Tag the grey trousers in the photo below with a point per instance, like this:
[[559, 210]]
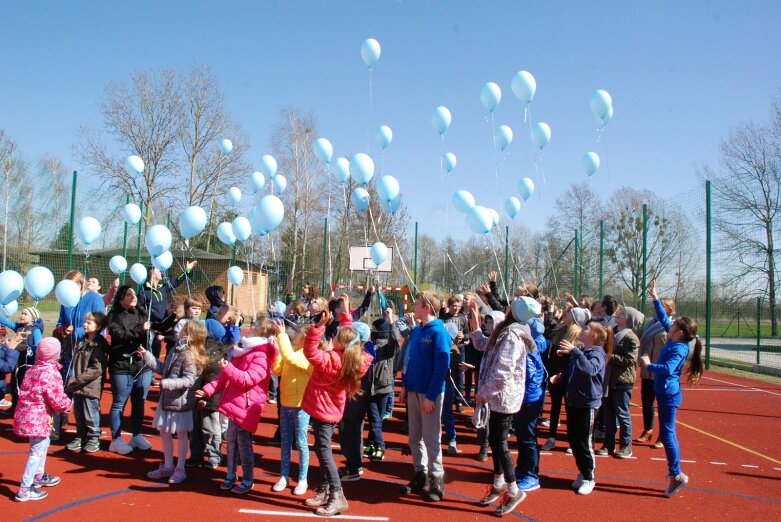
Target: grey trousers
[[425, 431]]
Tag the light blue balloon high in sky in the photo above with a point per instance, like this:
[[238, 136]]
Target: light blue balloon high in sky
[[360, 198], [479, 219], [226, 147], [269, 213], [225, 233], [279, 183], [504, 136], [362, 168], [392, 206], [590, 163], [192, 221], [342, 170], [234, 196], [268, 165], [370, 52], [257, 180], [131, 213], [323, 150], [541, 135], [463, 200], [134, 165], [449, 162], [490, 96], [512, 206], [524, 86], [601, 104], [526, 188], [241, 228], [384, 136], [388, 188], [441, 119]]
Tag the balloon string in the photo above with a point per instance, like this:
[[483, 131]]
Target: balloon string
[[442, 156], [251, 286], [374, 226], [498, 266], [369, 122], [607, 160]]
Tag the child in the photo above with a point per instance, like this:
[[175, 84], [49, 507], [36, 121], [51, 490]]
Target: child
[[336, 375], [85, 383], [182, 367], [30, 326], [40, 396], [9, 356], [294, 371], [585, 374], [244, 385], [215, 294], [667, 374], [192, 310]]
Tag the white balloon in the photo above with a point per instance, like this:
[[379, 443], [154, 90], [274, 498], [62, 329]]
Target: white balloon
[[370, 52], [134, 164], [268, 165], [257, 180], [132, 214]]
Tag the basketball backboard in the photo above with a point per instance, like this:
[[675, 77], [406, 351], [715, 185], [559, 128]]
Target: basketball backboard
[[361, 260]]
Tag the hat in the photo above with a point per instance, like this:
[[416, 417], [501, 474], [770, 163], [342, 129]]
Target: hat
[[634, 317], [214, 329], [381, 328], [364, 332], [525, 308], [496, 316], [252, 342], [581, 316], [48, 350], [33, 312]]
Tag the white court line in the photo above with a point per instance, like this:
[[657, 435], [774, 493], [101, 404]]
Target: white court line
[[689, 461], [777, 469], [719, 463], [308, 515], [750, 466], [659, 458], [747, 390], [740, 386]]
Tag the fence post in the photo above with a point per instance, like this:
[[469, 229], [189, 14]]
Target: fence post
[[506, 258], [70, 229], [124, 240], [644, 289], [759, 326], [708, 261], [140, 224], [233, 261], [325, 238], [575, 277], [601, 255], [415, 261]]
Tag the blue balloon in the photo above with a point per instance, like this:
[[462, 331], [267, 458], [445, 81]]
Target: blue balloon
[[512, 206], [8, 310], [192, 221], [391, 206], [370, 52], [225, 233], [138, 273], [590, 163], [449, 162], [323, 150], [388, 188], [362, 168], [441, 119], [226, 146], [379, 253], [524, 86], [11, 286], [158, 237], [279, 183], [490, 95], [280, 307], [384, 136], [39, 282], [134, 164], [360, 198], [132, 214], [601, 104], [526, 188], [541, 135], [241, 228], [479, 219], [257, 180], [235, 275], [504, 136], [117, 264], [269, 213], [463, 200], [268, 166], [342, 170], [164, 261], [88, 230], [234, 196]]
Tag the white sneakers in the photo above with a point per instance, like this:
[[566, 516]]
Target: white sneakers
[[280, 485], [140, 443], [301, 488], [586, 487], [119, 446], [549, 444]]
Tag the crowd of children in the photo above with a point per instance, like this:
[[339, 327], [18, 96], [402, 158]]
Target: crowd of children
[[499, 355]]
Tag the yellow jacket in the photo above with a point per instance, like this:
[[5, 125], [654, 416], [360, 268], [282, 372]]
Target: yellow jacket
[[294, 369]]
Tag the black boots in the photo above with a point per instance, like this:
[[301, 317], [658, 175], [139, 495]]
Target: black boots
[[436, 491], [418, 484]]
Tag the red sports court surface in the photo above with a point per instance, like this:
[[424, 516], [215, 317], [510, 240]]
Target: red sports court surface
[[728, 432]]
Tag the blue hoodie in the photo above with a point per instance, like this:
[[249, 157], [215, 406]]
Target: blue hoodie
[[428, 358], [585, 374], [89, 302], [669, 365]]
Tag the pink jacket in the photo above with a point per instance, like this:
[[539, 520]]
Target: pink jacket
[[40, 396], [244, 385], [324, 397]]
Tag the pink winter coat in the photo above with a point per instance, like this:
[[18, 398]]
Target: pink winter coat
[[324, 397], [244, 385], [40, 396]]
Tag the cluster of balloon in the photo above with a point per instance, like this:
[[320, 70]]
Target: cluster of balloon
[[379, 253], [323, 150], [490, 96], [235, 275], [384, 136], [234, 196], [131, 213], [526, 188], [88, 230], [267, 215], [192, 221], [226, 146], [541, 135], [117, 264], [504, 136], [590, 163], [39, 282], [449, 162], [342, 170], [479, 218], [512, 206], [370, 52], [441, 119], [601, 104], [138, 273], [463, 200], [268, 167]]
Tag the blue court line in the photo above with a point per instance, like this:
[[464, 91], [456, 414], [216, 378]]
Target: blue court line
[[87, 500]]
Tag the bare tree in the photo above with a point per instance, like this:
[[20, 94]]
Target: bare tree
[[8, 160]]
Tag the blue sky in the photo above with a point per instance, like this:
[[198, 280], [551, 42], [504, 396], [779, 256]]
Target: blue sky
[[681, 74]]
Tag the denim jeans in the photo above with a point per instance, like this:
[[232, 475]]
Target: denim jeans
[[616, 406], [36, 460], [87, 413], [293, 424], [668, 410], [324, 432], [498, 427], [240, 445], [377, 406], [526, 434], [448, 420], [124, 387]]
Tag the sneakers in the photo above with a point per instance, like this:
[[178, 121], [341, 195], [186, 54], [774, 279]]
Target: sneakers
[[624, 453], [577, 482], [676, 483], [452, 448], [242, 488], [603, 452], [378, 455], [569, 451], [321, 497], [120, 446], [529, 483], [32, 493], [272, 401], [436, 490], [301, 488], [658, 444], [586, 487], [161, 473], [92, 445], [4, 403], [459, 408], [335, 505], [385, 416], [211, 464], [350, 475], [280, 485], [228, 483], [193, 463], [509, 502], [140, 443], [492, 493], [178, 476], [545, 423], [368, 450], [482, 456], [646, 436], [75, 445], [549, 444], [418, 484], [46, 481]]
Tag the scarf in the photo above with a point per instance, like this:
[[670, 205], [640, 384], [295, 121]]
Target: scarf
[[651, 330]]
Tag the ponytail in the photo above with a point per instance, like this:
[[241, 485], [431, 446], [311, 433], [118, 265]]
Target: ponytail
[[352, 361], [695, 368], [609, 342]]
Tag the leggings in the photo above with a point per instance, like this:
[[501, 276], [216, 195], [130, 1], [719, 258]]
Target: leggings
[[498, 428], [648, 397]]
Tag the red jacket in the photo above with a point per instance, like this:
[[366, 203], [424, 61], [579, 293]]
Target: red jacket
[[324, 397], [244, 386]]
